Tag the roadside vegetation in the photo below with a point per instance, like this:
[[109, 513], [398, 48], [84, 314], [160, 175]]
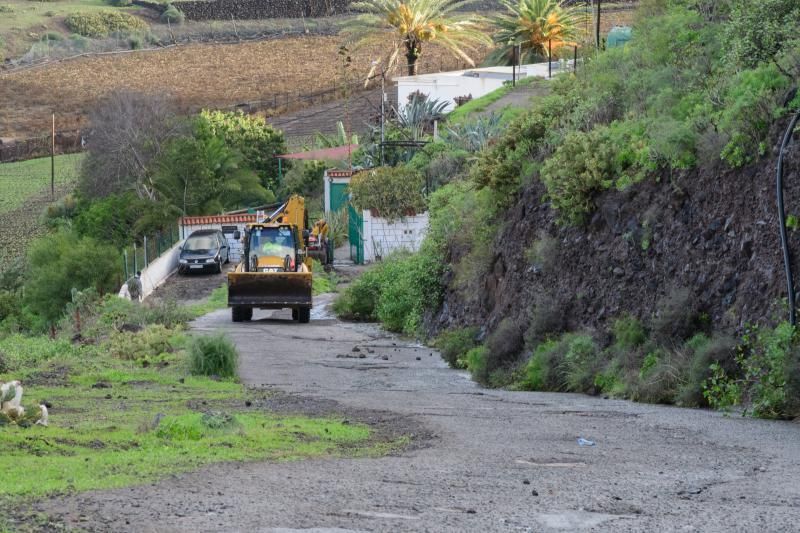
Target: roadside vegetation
[[133, 398], [695, 87]]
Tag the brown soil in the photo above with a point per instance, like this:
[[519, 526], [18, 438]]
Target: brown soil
[[198, 75]]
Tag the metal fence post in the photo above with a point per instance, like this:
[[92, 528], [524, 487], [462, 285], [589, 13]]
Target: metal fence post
[[134, 258], [145, 251], [125, 260]]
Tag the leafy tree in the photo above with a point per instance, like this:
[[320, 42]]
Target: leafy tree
[[535, 25], [257, 142], [202, 175], [392, 191], [63, 261], [116, 219], [414, 22]]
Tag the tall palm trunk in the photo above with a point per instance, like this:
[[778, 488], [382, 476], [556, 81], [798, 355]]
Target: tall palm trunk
[[413, 51]]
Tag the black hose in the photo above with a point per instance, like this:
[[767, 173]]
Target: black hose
[[782, 218]]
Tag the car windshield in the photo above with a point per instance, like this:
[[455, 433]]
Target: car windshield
[[201, 243], [272, 242]]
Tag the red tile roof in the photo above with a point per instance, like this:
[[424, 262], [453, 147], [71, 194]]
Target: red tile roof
[[218, 219]]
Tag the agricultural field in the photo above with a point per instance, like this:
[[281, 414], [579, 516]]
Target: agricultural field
[[25, 193], [200, 75], [214, 75]]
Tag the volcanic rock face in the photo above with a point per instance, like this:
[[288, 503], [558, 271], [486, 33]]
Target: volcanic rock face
[[704, 238]]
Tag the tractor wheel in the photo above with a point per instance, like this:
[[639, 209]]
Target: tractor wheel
[[236, 314], [294, 314], [247, 314], [304, 315]]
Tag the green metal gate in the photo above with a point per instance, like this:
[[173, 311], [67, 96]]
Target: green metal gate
[[355, 234], [340, 196]]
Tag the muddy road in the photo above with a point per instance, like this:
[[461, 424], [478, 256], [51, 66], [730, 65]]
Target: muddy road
[[479, 460]]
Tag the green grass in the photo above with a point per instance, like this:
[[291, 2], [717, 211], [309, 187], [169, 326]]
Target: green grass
[[479, 105], [20, 181], [40, 17], [217, 300], [322, 281], [105, 437]]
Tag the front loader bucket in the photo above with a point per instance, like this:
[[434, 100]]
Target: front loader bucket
[[267, 290]]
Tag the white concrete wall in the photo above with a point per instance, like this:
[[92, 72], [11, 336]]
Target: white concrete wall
[[157, 272], [447, 88], [382, 237]]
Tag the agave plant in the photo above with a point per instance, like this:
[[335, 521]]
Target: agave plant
[[419, 114], [535, 26], [410, 23], [475, 135]]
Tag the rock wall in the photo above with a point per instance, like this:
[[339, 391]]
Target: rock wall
[[712, 232], [260, 9]]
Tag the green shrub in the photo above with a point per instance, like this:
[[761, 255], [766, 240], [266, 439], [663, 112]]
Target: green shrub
[[51, 36], [393, 192], [765, 377], [542, 371], [359, 301], [24, 352], [410, 284], [61, 262], [453, 344], [503, 347], [172, 15], [658, 378], [6, 9], [629, 333], [758, 31], [704, 352], [213, 355], [476, 363], [542, 254], [752, 103], [548, 316], [103, 23], [143, 347], [581, 363]]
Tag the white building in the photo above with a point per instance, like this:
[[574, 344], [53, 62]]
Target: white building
[[475, 82]]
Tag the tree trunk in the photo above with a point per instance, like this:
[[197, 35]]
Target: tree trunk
[[413, 51]]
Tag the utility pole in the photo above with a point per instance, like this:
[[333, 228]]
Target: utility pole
[[383, 110], [549, 58], [53, 160], [597, 26]]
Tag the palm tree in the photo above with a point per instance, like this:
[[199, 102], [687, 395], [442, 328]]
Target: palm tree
[[413, 22], [535, 25]]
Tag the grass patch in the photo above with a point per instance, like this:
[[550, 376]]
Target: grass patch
[[19, 181], [217, 300], [114, 424], [322, 281], [477, 105]]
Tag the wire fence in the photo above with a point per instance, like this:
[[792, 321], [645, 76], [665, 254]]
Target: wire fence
[[141, 253]]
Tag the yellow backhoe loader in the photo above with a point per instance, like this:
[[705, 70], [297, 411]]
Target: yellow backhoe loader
[[275, 270]]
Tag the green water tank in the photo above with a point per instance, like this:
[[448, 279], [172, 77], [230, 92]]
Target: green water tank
[[618, 36]]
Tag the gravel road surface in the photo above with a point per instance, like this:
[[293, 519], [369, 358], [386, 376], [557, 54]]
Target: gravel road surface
[[480, 460]]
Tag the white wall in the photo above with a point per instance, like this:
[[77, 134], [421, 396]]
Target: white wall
[[381, 237], [447, 88], [157, 272]]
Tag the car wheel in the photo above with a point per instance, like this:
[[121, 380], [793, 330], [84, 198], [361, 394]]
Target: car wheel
[[219, 266]]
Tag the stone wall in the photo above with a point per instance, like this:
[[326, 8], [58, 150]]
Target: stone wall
[[260, 9]]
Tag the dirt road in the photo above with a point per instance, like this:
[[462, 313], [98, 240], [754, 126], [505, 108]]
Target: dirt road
[[481, 460]]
